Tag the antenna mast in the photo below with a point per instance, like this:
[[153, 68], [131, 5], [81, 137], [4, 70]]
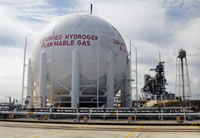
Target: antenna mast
[[91, 8]]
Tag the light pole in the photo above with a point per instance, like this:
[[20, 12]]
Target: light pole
[[136, 75], [24, 64]]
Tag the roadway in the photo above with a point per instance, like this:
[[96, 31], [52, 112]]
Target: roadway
[[48, 130]]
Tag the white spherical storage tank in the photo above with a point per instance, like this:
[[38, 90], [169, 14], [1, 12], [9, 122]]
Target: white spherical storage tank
[[79, 60]]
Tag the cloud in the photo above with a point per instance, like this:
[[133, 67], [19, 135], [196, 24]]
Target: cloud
[[11, 71], [137, 19], [39, 10], [24, 17], [182, 10], [13, 31]]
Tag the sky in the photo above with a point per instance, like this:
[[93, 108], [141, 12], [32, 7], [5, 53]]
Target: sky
[[154, 26]]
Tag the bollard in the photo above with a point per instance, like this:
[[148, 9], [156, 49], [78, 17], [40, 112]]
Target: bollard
[[178, 120], [45, 117], [10, 116], [85, 119], [130, 119]]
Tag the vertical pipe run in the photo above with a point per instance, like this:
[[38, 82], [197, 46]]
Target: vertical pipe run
[[110, 82], [75, 78], [30, 84], [136, 75], [188, 79], [179, 79], [127, 86], [98, 69], [43, 79], [130, 73], [176, 77], [182, 70]]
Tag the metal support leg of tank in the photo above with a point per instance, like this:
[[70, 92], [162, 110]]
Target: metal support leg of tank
[[43, 79], [75, 79], [30, 85], [110, 82]]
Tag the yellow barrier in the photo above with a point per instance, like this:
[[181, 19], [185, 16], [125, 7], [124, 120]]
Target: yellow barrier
[[30, 113], [112, 114]]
